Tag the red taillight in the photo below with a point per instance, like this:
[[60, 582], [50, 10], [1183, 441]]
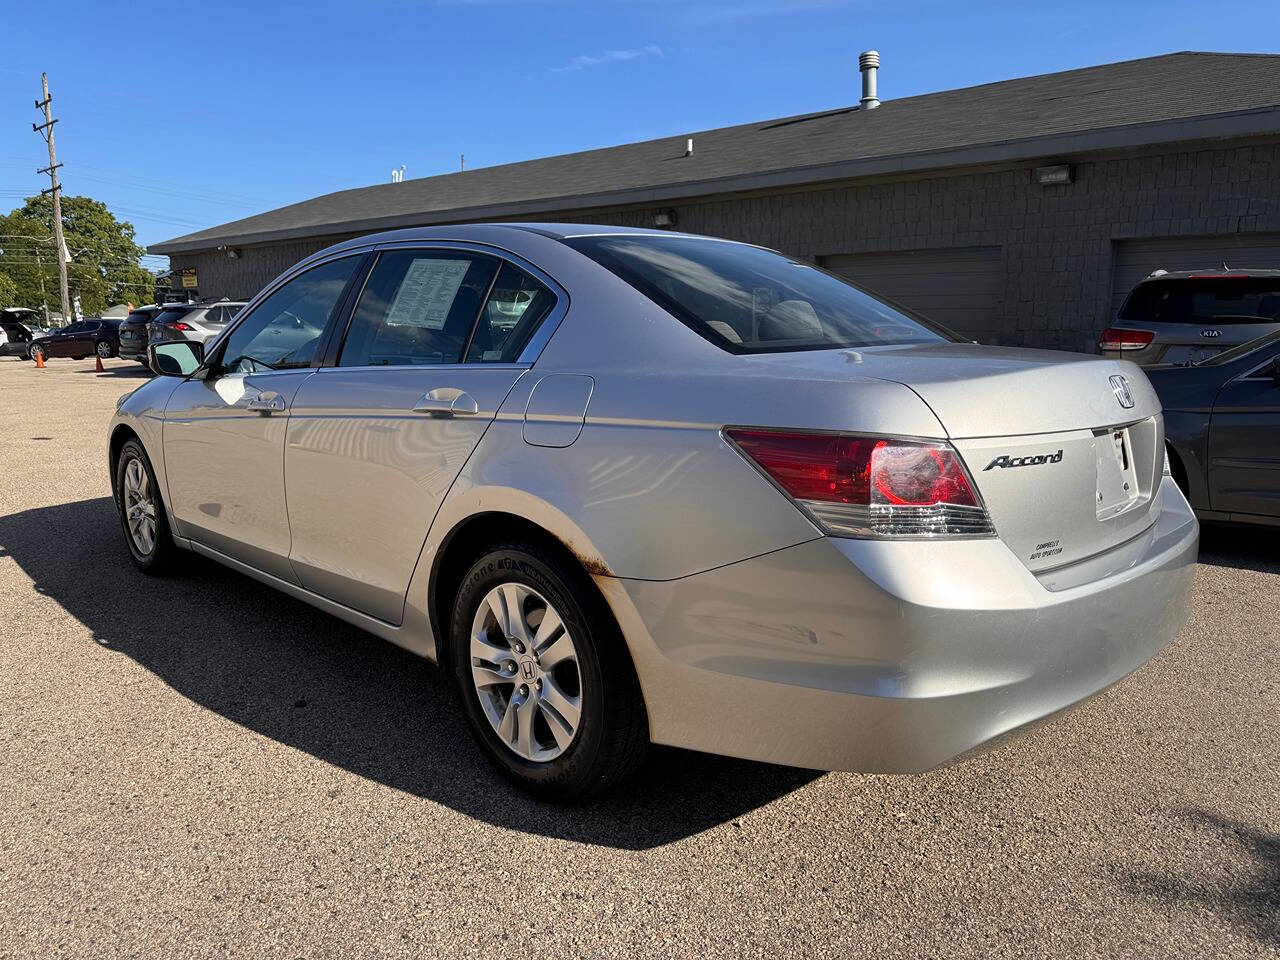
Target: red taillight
[[1118, 338], [179, 325], [870, 486]]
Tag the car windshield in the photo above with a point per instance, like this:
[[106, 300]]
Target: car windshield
[[1199, 300], [746, 299]]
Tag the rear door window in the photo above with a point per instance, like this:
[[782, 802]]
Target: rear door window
[[418, 307], [1201, 300]]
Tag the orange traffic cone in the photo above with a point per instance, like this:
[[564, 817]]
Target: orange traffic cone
[[98, 366], [39, 359]]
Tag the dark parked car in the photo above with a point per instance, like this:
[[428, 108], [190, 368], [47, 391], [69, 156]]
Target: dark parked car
[[80, 339], [17, 326], [1222, 428], [133, 333], [1192, 315]]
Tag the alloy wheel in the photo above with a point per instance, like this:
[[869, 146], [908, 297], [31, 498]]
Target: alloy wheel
[[139, 507], [104, 349], [36, 353], [524, 667]]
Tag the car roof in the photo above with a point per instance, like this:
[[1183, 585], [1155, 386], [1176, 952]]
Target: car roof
[[495, 232], [1211, 273]]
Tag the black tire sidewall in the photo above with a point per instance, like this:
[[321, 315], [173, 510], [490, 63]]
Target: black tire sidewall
[[159, 556], [34, 352], [574, 771]]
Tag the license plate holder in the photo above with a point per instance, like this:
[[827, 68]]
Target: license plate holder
[[1117, 477]]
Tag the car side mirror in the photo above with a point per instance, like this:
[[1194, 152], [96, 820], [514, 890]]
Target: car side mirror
[[177, 358]]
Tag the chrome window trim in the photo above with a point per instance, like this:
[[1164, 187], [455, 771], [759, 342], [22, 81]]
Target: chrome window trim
[[533, 349], [422, 366], [528, 356], [1250, 375]]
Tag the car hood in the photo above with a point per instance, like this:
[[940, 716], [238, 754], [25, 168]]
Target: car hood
[[979, 391]]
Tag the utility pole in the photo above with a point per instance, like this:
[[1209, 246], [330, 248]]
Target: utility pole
[[46, 130]]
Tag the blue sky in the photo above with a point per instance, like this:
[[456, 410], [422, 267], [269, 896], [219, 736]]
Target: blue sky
[[182, 116]]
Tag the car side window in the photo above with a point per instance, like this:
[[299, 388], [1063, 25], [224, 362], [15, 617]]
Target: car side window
[[74, 328], [285, 330], [516, 307], [418, 307]]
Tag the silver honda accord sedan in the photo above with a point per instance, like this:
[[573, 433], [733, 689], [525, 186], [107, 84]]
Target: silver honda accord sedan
[[639, 487]]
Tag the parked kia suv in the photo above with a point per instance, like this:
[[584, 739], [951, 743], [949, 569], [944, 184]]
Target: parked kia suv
[[1189, 316], [134, 332]]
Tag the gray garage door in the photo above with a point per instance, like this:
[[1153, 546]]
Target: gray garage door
[[1134, 259], [960, 287]]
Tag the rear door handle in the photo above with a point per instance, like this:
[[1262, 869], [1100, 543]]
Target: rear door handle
[[267, 403], [447, 402]]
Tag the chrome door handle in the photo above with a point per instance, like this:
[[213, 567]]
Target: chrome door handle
[[447, 402], [267, 403]]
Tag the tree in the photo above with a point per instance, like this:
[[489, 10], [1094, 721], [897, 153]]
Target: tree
[[8, 292], [104, 266]]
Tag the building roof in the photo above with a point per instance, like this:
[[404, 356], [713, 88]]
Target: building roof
[[1170, 98]]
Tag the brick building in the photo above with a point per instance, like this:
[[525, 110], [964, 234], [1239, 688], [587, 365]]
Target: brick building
[[1018, 212]]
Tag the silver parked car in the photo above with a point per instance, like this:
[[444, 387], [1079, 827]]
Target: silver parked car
[[637, 487], [1185, 317], [200, 322]]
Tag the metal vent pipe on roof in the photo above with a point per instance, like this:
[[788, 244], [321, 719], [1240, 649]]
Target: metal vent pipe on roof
[[869, 63]]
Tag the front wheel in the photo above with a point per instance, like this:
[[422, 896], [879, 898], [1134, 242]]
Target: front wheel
[[142, 516], [36, 354], [544, 675]]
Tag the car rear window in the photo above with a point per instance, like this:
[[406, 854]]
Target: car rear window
[[1202, 300], [746, 299], [171, 316]]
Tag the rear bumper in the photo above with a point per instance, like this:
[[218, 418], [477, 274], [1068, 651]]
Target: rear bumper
[[133, 349], [896, 657]]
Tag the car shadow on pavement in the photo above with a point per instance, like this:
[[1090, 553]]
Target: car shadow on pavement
[[1251, 902], [134, 371], [303, 678], [1248, 548]]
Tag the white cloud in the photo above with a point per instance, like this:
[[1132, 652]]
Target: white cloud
[[583, 61]]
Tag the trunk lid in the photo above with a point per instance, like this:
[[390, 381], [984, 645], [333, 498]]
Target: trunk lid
[[1065, 468]]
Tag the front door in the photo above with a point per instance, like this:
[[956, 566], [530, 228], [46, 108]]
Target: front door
[[224, 435], [64, 342], [376, 441], [1244, 445]]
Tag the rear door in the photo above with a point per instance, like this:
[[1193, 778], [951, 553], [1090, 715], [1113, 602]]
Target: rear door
[[1244, 443], [376, 439]]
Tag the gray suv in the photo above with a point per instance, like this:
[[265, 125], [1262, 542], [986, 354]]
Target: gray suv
[[200, 322], [1185, 317]]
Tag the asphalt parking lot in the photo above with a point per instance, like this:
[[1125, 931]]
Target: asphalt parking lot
[[201, 766]]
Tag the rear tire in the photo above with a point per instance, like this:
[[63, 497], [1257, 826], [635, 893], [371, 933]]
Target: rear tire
[[142, 514], [551, 694], [103, 350]]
